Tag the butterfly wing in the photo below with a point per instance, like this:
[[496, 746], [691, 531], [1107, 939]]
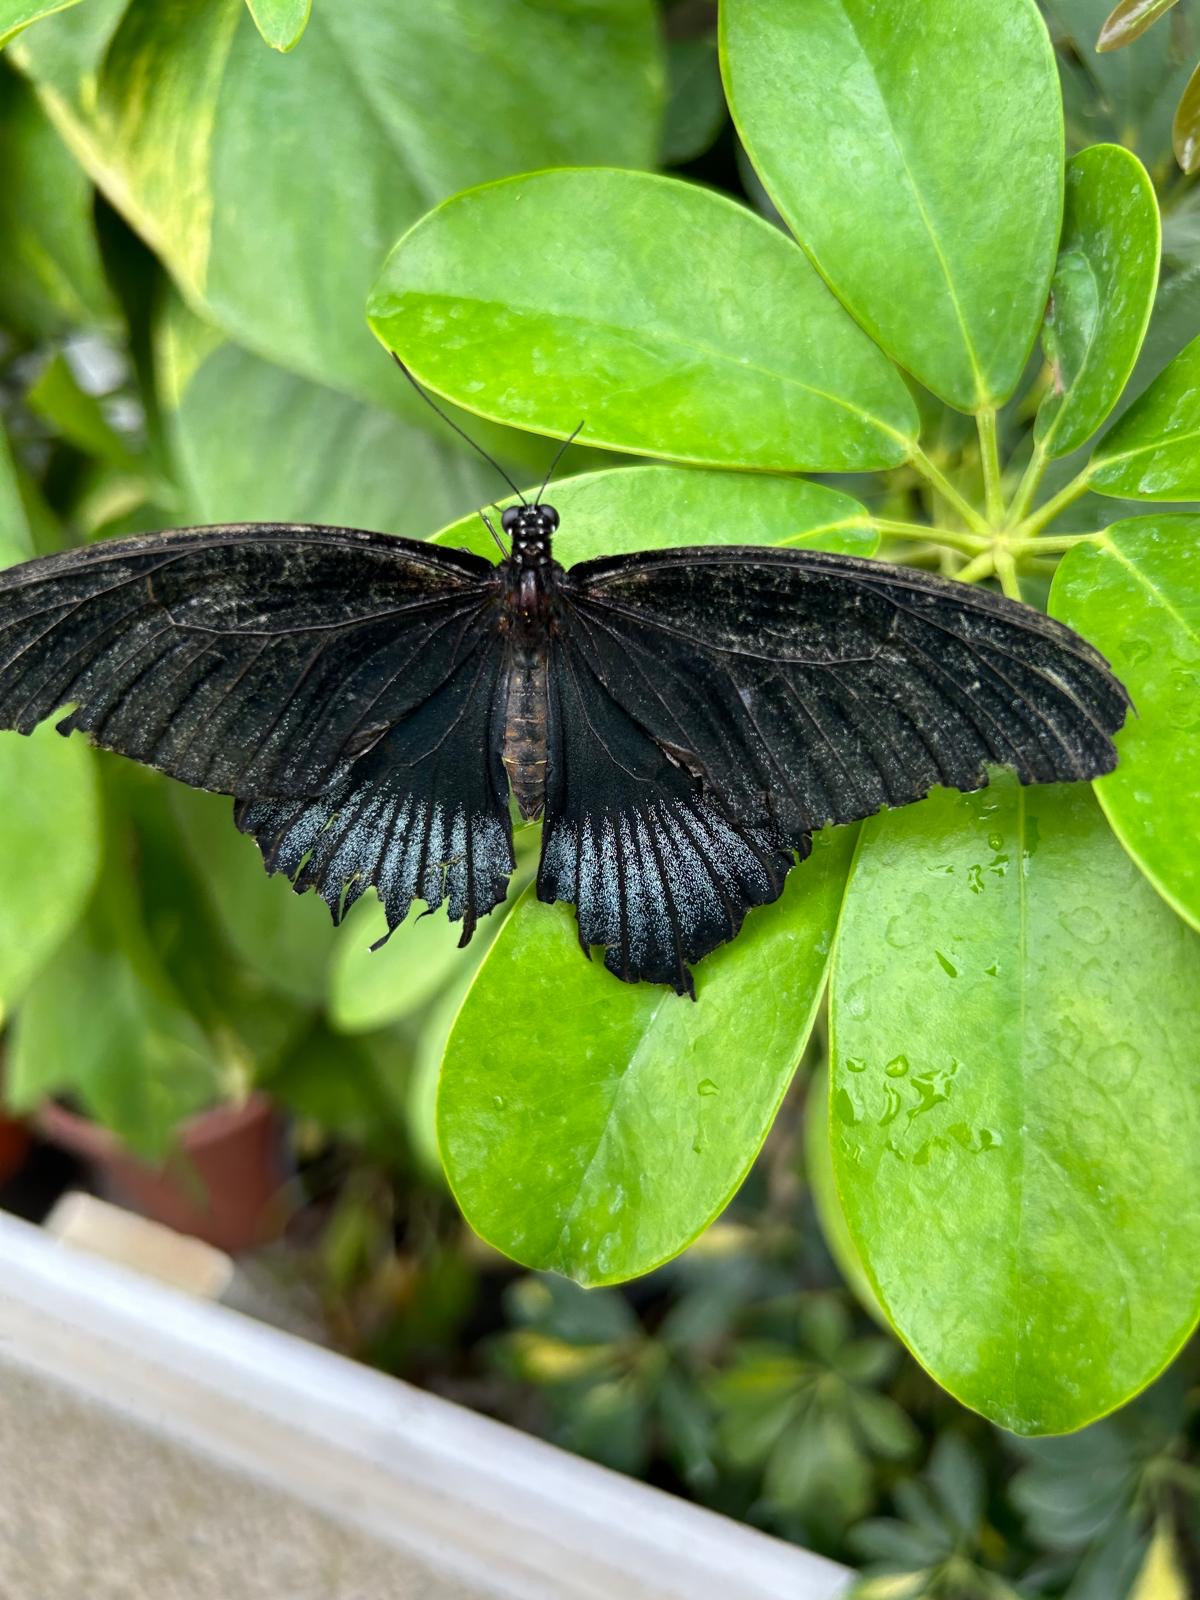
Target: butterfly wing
[[243, 659], [423, 815], [338, 683], [717, 706], [808, 688], [660, 872]]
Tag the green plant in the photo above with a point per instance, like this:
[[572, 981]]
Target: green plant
[[1013, 1066], [1012, 1086]]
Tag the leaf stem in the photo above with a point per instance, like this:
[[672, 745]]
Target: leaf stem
[[969, 543], [937, 478], [989, 452], [1006, 571], [983, 566], [1053, 544], [1030, 482], [1037, 520]]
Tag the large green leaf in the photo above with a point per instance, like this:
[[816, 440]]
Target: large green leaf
[[49, 850], [52, 279], [639, 508], [272, 186], [281, 22], [1136, 594], [915, 148], [1153, 452], [1102, 295], [631, 322], [1015, 1101], [18, 14], [595, 1128], [257, 443], [49, 821]]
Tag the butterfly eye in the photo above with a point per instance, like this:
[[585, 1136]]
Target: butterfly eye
[[510, 518], [549, 517]]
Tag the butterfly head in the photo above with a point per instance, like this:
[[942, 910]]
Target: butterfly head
[[531, 529]]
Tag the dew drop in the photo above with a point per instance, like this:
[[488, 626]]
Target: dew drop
[[946, 965], [897, 1067], [855, 1064], [707, 1087], [845, 1108], [995, 841], [975, 879]]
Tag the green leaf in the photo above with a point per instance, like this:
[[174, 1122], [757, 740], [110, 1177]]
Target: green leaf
[[1185, 130], [78, 416], [176, 110], [1014, 1103], [49, 850], [16, 539], [1129, 20], [1135, 594], [100, 1026], [818, 1169], [53, 279], [641, 508], [257, 443], [18, 14], [916, 153], [595, 1128], [370, 988], [1102, 295], [281, 22], [629, 325], [285, 938], [695, 111], [1153, 452]]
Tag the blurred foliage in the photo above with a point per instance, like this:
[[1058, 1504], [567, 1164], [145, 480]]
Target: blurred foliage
[[147, 377]]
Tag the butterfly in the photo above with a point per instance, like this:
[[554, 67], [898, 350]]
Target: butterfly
[[684, 720]]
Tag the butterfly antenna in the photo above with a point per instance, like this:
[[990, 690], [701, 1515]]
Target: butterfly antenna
[[558, 457], [461, 432], [491, 528]]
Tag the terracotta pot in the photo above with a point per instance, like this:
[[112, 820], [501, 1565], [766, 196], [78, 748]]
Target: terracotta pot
[[14, 1147], [221, 1183]]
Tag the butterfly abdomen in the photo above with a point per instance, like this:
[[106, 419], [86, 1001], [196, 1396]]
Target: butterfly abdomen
[[525, 716]]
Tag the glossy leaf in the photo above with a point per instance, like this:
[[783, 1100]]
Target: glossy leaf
[[176, 111], [53, 279], [915, 150], [1014, 1101], [16, 541], [281, 22], [1185, 130], [257, 443], [628, 323], [16, 15], [1102, 294], [641, 508], [818, 1170], [595, 1128], [1153, 452], [1129, 20], [1135, 594]]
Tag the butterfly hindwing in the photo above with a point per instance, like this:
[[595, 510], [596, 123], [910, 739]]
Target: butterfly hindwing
[[249, 660], [423, 815], [660, 872], [807, 688]]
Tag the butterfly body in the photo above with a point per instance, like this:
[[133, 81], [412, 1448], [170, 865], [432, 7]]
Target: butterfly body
[[684, 719]]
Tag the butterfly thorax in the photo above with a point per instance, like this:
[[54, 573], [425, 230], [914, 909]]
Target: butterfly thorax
[[530, 616]]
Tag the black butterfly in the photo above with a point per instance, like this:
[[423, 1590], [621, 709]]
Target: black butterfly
[[685, 719]]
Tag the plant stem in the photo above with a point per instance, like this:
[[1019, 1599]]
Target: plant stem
[[969, 543], [1006, 571], [1051, 544], [1034, 523], [989, 451], [1030, 482], [983, 566], [935, 476]]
